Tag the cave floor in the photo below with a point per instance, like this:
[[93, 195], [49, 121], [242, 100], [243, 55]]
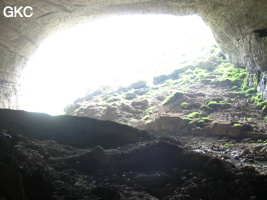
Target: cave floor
[[240, 152], [168, 168]]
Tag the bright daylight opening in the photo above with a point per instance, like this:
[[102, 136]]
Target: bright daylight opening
[[115, 51]]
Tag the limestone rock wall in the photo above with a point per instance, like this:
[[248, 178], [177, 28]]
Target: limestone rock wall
[[239, 26], [11, 65]]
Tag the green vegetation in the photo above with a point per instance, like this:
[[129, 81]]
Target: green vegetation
[[234, 87], [225, 144], [193, 115], [203, 119], [212, 104], [237, 125], [197, 128], [228, 71], [171, 90], [148, 112], [263, 142], [124, 123], [258, 100], [239, 76], [200, 122], [132, 121], [184, 105], [146, 117], [169, 82], [192, 76]]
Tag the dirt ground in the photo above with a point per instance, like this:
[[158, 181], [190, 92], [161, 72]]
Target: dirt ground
[[159, 168]]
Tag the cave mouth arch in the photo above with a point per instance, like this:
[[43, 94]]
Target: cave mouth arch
[[73, 61]]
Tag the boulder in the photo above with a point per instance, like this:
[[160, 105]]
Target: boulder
[[130, 96], [174, 97], [228, 129], [110, 113], [160, 79], [138, 85], [165, 124], [141, 91], [140, 104]]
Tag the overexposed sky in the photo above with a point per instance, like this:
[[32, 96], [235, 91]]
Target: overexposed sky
[[113, 51]]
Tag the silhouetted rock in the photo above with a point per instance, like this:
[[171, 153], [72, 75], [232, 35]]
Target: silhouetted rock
[[70, 130]]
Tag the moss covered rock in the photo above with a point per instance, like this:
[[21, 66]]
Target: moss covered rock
[[175, 96]]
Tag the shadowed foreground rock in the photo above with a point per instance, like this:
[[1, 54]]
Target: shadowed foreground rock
[[76, 131], [46, 166]]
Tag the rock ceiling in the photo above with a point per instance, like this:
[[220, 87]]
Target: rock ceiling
[[239, 26]]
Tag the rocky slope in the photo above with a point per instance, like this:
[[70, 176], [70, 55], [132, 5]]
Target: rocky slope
[[211, 98]]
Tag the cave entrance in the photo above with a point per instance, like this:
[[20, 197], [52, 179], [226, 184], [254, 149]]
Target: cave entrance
[[113, 51]]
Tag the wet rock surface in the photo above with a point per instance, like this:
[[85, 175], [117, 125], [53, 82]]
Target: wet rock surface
[[158, 168]]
